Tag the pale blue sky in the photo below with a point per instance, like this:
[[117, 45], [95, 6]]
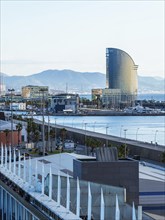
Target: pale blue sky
[[40, 35]]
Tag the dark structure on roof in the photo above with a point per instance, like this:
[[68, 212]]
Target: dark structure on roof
[[109, 170], [106, 154]]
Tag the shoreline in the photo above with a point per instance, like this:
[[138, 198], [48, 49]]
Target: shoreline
[[109, 114], [92, 113]]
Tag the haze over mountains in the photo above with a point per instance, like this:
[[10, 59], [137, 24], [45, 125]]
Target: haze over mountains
[[81, 82]]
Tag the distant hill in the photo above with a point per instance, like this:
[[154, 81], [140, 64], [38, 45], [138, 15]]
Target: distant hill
[[151, 84], [59, 80], [76, 81]]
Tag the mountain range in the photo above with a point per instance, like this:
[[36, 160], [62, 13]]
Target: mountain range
[[72, 81]]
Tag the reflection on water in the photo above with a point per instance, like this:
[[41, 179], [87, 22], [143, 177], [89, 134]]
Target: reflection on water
[[142, 128]]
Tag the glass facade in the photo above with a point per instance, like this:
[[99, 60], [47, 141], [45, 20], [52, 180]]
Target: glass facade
[[111, 98], [121, 73]]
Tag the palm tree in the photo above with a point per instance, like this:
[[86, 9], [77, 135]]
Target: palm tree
[[28, 128], [36, 137], [93, 143], [121, 151], [63, 132], [19, 128], [6, 131], [52, 136], [33, 133]]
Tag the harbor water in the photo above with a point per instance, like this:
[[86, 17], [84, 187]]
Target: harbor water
[[149, 129]]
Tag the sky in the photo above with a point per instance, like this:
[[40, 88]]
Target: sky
[[41, 35]]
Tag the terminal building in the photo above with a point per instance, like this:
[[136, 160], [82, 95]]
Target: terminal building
[[65, 102], [46, 188], [70, 186]]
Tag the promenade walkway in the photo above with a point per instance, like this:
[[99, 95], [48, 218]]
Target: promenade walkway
[[111, 138]]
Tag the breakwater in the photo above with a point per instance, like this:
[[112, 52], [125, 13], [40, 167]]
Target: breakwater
[[144, 150]]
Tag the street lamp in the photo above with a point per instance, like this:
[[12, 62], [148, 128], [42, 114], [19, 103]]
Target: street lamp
[[43, 134], [48, 132], [72, 121], [106, 136], [125, 147], [55, 131], [94, 126], [121, 130], [43, 120], [155, 137], [11, 106], [64, 120], [83, 123], [137, 133], [85, 133]]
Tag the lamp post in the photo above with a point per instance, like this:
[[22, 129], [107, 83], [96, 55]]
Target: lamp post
[[137, 133], [64, 120], [85, 133], [83, 123], [48, 133], [155, 137], [55, 132], [94, 126], [125, 147], [121, 130], [106, 137], [43, 120], [11, 106], [72, 121]]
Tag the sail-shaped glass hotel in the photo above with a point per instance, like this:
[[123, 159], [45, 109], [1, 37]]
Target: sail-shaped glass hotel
[[121, 74]]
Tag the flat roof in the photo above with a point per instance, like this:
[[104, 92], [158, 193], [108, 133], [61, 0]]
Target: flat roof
[[58, 162], [62, 162], [150, 171]]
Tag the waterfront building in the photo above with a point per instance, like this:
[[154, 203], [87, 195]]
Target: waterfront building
[[121, 73], [12, 97], [65, 102], [32, 91], [6, 133], [111, 98], [18, 106]]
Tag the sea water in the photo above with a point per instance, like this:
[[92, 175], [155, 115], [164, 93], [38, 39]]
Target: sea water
[[149, 129]]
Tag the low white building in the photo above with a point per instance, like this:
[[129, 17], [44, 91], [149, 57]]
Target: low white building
[[18, 106]]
